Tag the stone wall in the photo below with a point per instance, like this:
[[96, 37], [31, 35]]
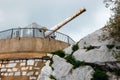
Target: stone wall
[[20, 69]]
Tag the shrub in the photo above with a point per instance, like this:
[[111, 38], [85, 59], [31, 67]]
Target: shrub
[[116, 54], [75, 47], [114, 21], [59, 53], [117, 72], [72, 61], [78, 63], [46, 57], [89, 47], [52, 77], [110, 46], [117, 47], [99, 75], [51, 62]]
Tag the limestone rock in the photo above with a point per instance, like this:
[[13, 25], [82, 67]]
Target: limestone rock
[[101, 54], [81, 73], [68, 50], [94, 56], [45, 72], [112, 76], [61, 67]]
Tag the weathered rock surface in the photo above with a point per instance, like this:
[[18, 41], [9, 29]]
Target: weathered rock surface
[[101, 54], [45, 72], [61, 67], [81, 73]]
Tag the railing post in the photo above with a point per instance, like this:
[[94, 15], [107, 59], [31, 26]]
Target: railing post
[[33, 32], [19, 32], [12, 33], [43, 33], [68, 39]]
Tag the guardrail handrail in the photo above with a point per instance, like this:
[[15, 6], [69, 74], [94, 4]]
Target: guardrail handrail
[[34, 32]]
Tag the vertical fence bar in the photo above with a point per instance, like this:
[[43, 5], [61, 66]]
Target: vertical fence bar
[[19, 32], [68, 39], [33, 32], [12, 33], [43, 33]]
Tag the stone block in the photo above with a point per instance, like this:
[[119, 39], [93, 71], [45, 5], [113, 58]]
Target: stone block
[[11, 74], [24, 73], [3, 69], [30, 62], [22, 64], [11, 65], [30, 73], [14, 69], [17, 73]]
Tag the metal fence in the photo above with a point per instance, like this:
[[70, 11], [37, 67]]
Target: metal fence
[[34, 32]]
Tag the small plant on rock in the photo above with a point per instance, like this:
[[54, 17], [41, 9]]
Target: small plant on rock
[[75, 47], [117, 47], [69, 58], [52, 77], [110, 46], [51, 62], [46, 57], [99, 75], [117, 72], [60, 53], [89, 47], [72, 61]]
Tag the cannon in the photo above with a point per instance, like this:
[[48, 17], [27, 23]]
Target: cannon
[[43, 31], [58, 26]]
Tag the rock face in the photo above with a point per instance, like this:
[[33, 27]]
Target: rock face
[[45, 72], [63, 71], [61, 67], [96, 48]]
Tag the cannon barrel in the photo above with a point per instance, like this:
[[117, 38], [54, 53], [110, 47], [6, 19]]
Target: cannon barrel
[[58, 26]]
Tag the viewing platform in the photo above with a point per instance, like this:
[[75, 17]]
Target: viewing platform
[[30, 43]]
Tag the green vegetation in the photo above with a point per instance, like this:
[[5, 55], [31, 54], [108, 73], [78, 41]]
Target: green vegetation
[[51, 62], [46, 57], [117, 47], [52, 77], [72, 61], [99, 75], [75, 47], [110, 46], [114, 22], [89, 47], [103, 37], [117, 72], [60, 53], [116, 54]]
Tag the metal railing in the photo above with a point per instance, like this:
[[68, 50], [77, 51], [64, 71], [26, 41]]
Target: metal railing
[[34, 32]]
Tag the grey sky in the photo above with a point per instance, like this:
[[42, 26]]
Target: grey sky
[[15, 13]]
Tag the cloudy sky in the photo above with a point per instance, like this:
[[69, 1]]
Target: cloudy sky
[[20, 13]]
